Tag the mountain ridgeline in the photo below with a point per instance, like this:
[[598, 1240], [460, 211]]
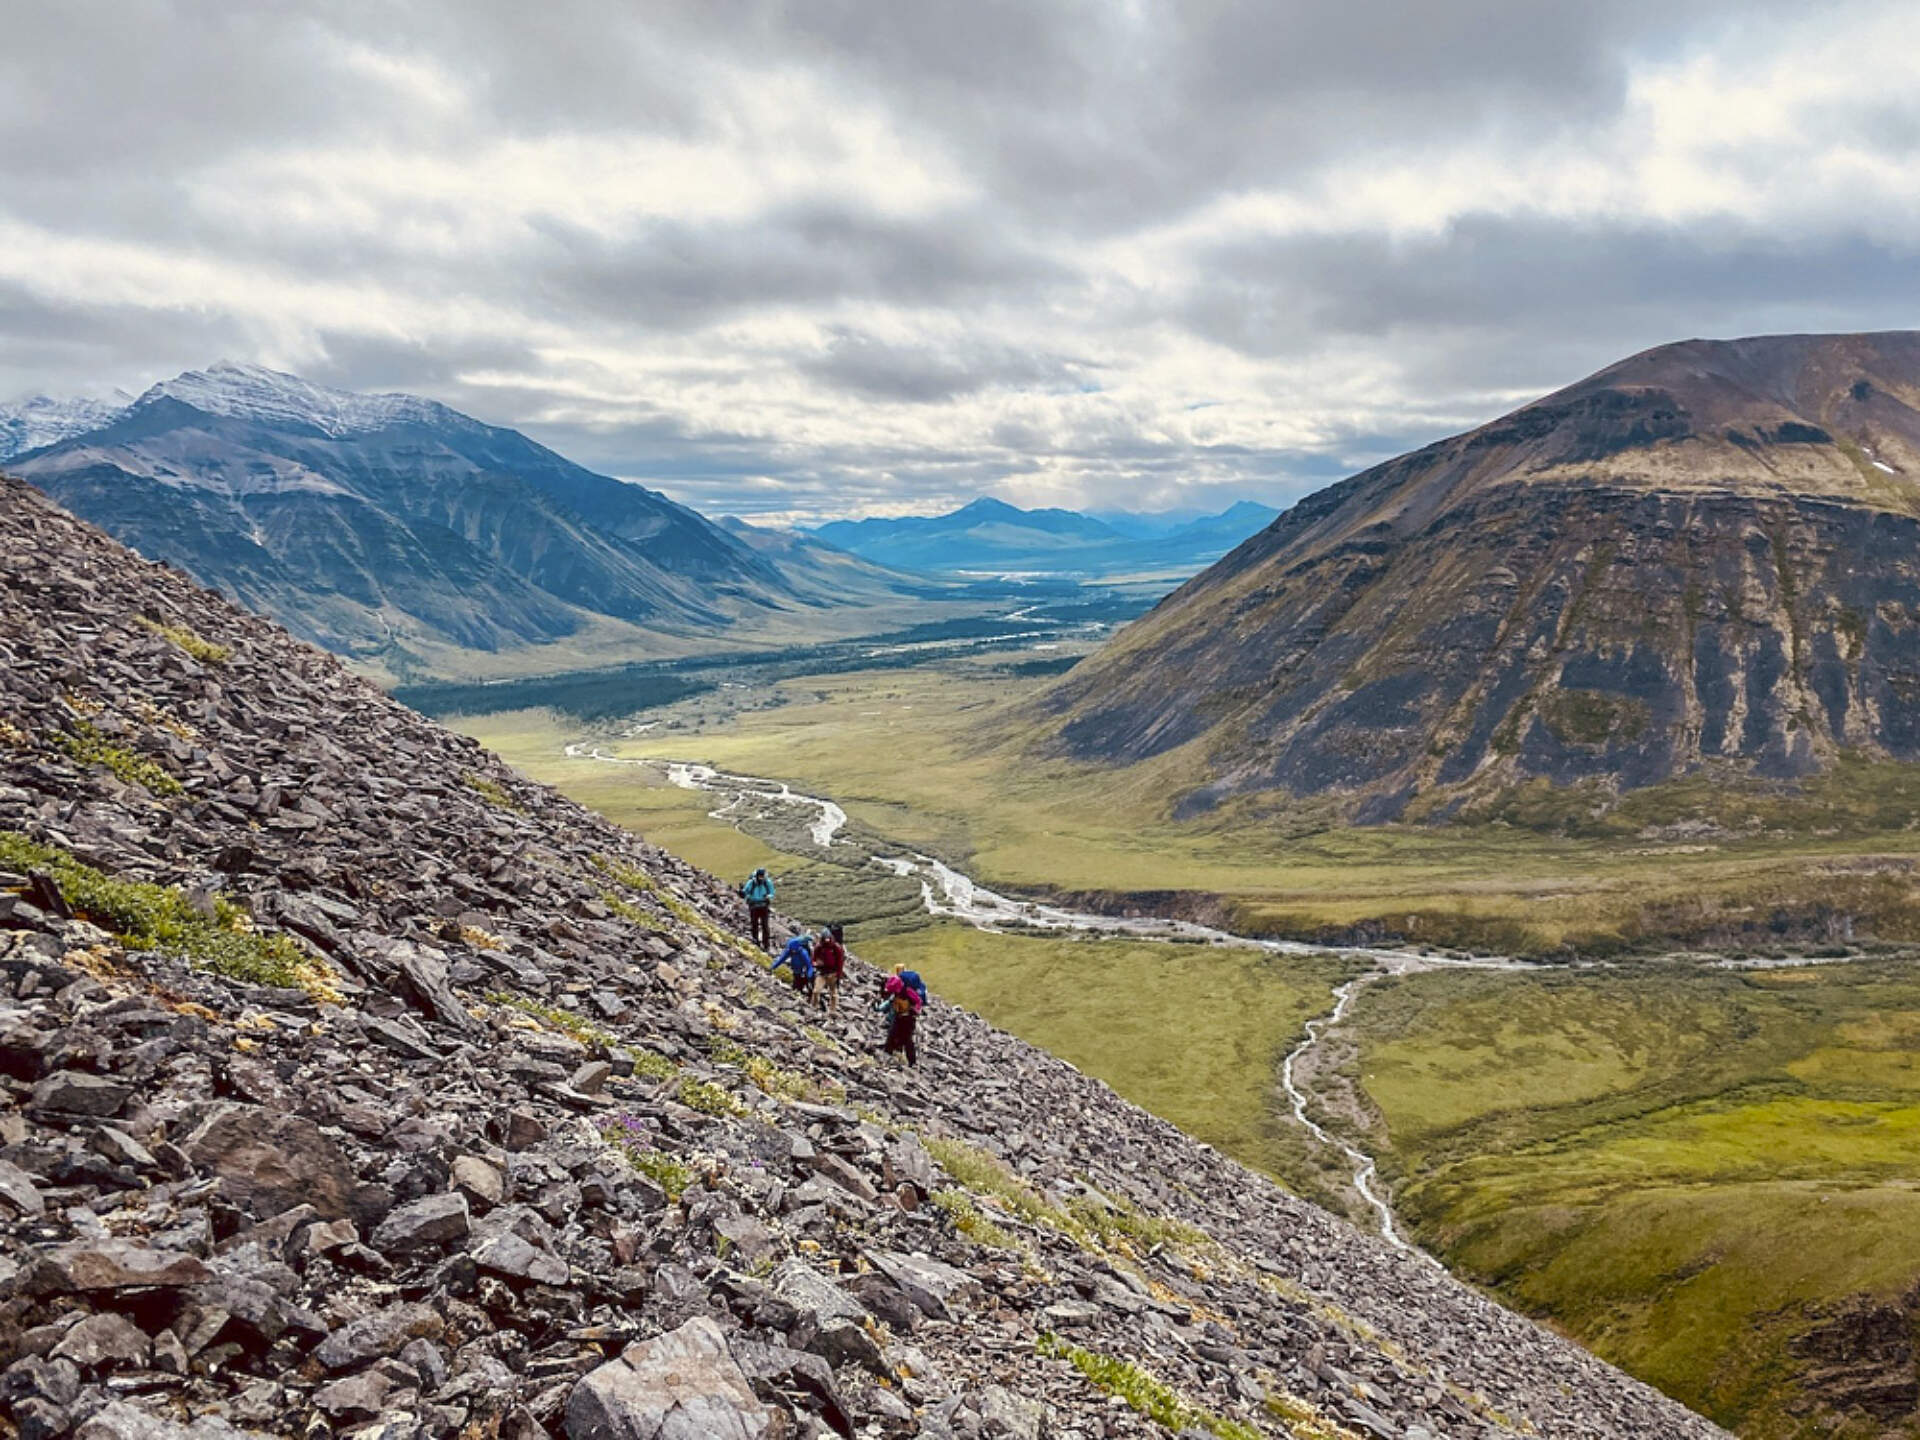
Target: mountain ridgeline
[[1703, 559], [390, 528], [992, 537]]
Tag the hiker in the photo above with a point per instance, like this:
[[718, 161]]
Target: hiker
[[902, 1004], [830, 959], [911, 979], [798, 958], [758, 893]]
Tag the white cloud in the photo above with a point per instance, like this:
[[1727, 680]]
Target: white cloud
[[887, 256]]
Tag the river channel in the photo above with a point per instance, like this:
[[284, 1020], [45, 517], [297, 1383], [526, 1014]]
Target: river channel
[[950, 895]]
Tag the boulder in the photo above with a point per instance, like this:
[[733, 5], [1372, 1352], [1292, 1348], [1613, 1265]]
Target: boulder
[[103, 1341], [385, 1332], [269, 1161], [437, 1220], [74, 1092], [112, 1264], [684, 1385]]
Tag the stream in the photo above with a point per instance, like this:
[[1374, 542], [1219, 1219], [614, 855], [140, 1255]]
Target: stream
[[948, 894]]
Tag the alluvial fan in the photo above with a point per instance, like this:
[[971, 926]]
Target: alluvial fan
[[351, 1083]]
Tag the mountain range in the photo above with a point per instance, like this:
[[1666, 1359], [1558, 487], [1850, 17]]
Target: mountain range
[[1705, 558], [992, 537], [399, 532]]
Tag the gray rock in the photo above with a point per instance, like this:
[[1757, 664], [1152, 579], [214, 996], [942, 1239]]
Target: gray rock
[[1007, 1416], [103, 1341], [19, 1192], [122, 1149], [931, 1284], [907, 1163], [355, 1397], [438, 1220], [112, 1265], [423, 974], [269, 1161], [480, 1181], [508, 1254], [591, 1078], [74, 1092], [844, 1175], [385, 1332], [683, 1385], [812, 1292]]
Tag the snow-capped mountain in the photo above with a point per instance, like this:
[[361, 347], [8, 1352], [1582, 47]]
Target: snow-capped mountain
[[45, 421], [393, 528], [269, 397]]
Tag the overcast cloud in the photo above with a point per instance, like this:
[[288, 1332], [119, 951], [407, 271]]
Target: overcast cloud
[[847, 256]]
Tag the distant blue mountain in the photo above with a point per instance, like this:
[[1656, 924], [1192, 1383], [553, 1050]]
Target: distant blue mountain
[[992, 536]]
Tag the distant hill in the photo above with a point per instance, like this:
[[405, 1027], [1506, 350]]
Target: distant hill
[[995, 537], [391, 528], [1703, 557]]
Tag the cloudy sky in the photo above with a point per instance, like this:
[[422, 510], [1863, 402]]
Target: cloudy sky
[[832, 257]]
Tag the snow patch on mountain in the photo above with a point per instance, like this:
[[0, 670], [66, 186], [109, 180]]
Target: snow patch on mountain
[[43, 420], [269, 397]]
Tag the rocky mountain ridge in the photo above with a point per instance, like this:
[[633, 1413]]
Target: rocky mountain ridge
[[1702, 559], [352, 1084], [44, 420], [402, 533]]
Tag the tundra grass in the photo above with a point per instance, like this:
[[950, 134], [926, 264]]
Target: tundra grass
[[1696, 1173], [534, 742], [1194, 1034], [920, 757]]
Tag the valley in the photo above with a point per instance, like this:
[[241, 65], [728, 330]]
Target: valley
[[1698, 1172]]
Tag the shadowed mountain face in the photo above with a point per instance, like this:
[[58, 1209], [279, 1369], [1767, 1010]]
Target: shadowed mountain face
[[372, 523], [1707, 555]]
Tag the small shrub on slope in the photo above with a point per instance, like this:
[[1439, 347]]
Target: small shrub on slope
[[159, 917]]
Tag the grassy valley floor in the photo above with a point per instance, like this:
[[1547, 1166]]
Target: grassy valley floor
[[1710, 1177]]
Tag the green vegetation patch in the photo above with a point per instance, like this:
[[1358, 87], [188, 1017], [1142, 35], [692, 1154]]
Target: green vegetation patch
[[160, 917], [205, 651], [1694, 1172], [493, 792], [1594, 717], [627, 1137], [85, 745], [554, 1017], [1148, 1396], [983, 1174], [676, 905], [708, 1098], [958, 1206]]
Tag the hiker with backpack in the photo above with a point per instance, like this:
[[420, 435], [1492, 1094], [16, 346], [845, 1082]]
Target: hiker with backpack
[[902, 1004], [758, 893], [911, 979], [830, 960], [798, 958]]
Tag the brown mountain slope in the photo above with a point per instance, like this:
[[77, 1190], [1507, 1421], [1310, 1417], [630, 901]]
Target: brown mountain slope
[[1703, 555]]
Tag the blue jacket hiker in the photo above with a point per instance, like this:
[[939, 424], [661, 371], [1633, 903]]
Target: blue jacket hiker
[[798, 958], [758, 893]]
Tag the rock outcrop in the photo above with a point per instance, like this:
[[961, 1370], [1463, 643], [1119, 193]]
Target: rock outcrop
[[352, 1084], [1700, 559]]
